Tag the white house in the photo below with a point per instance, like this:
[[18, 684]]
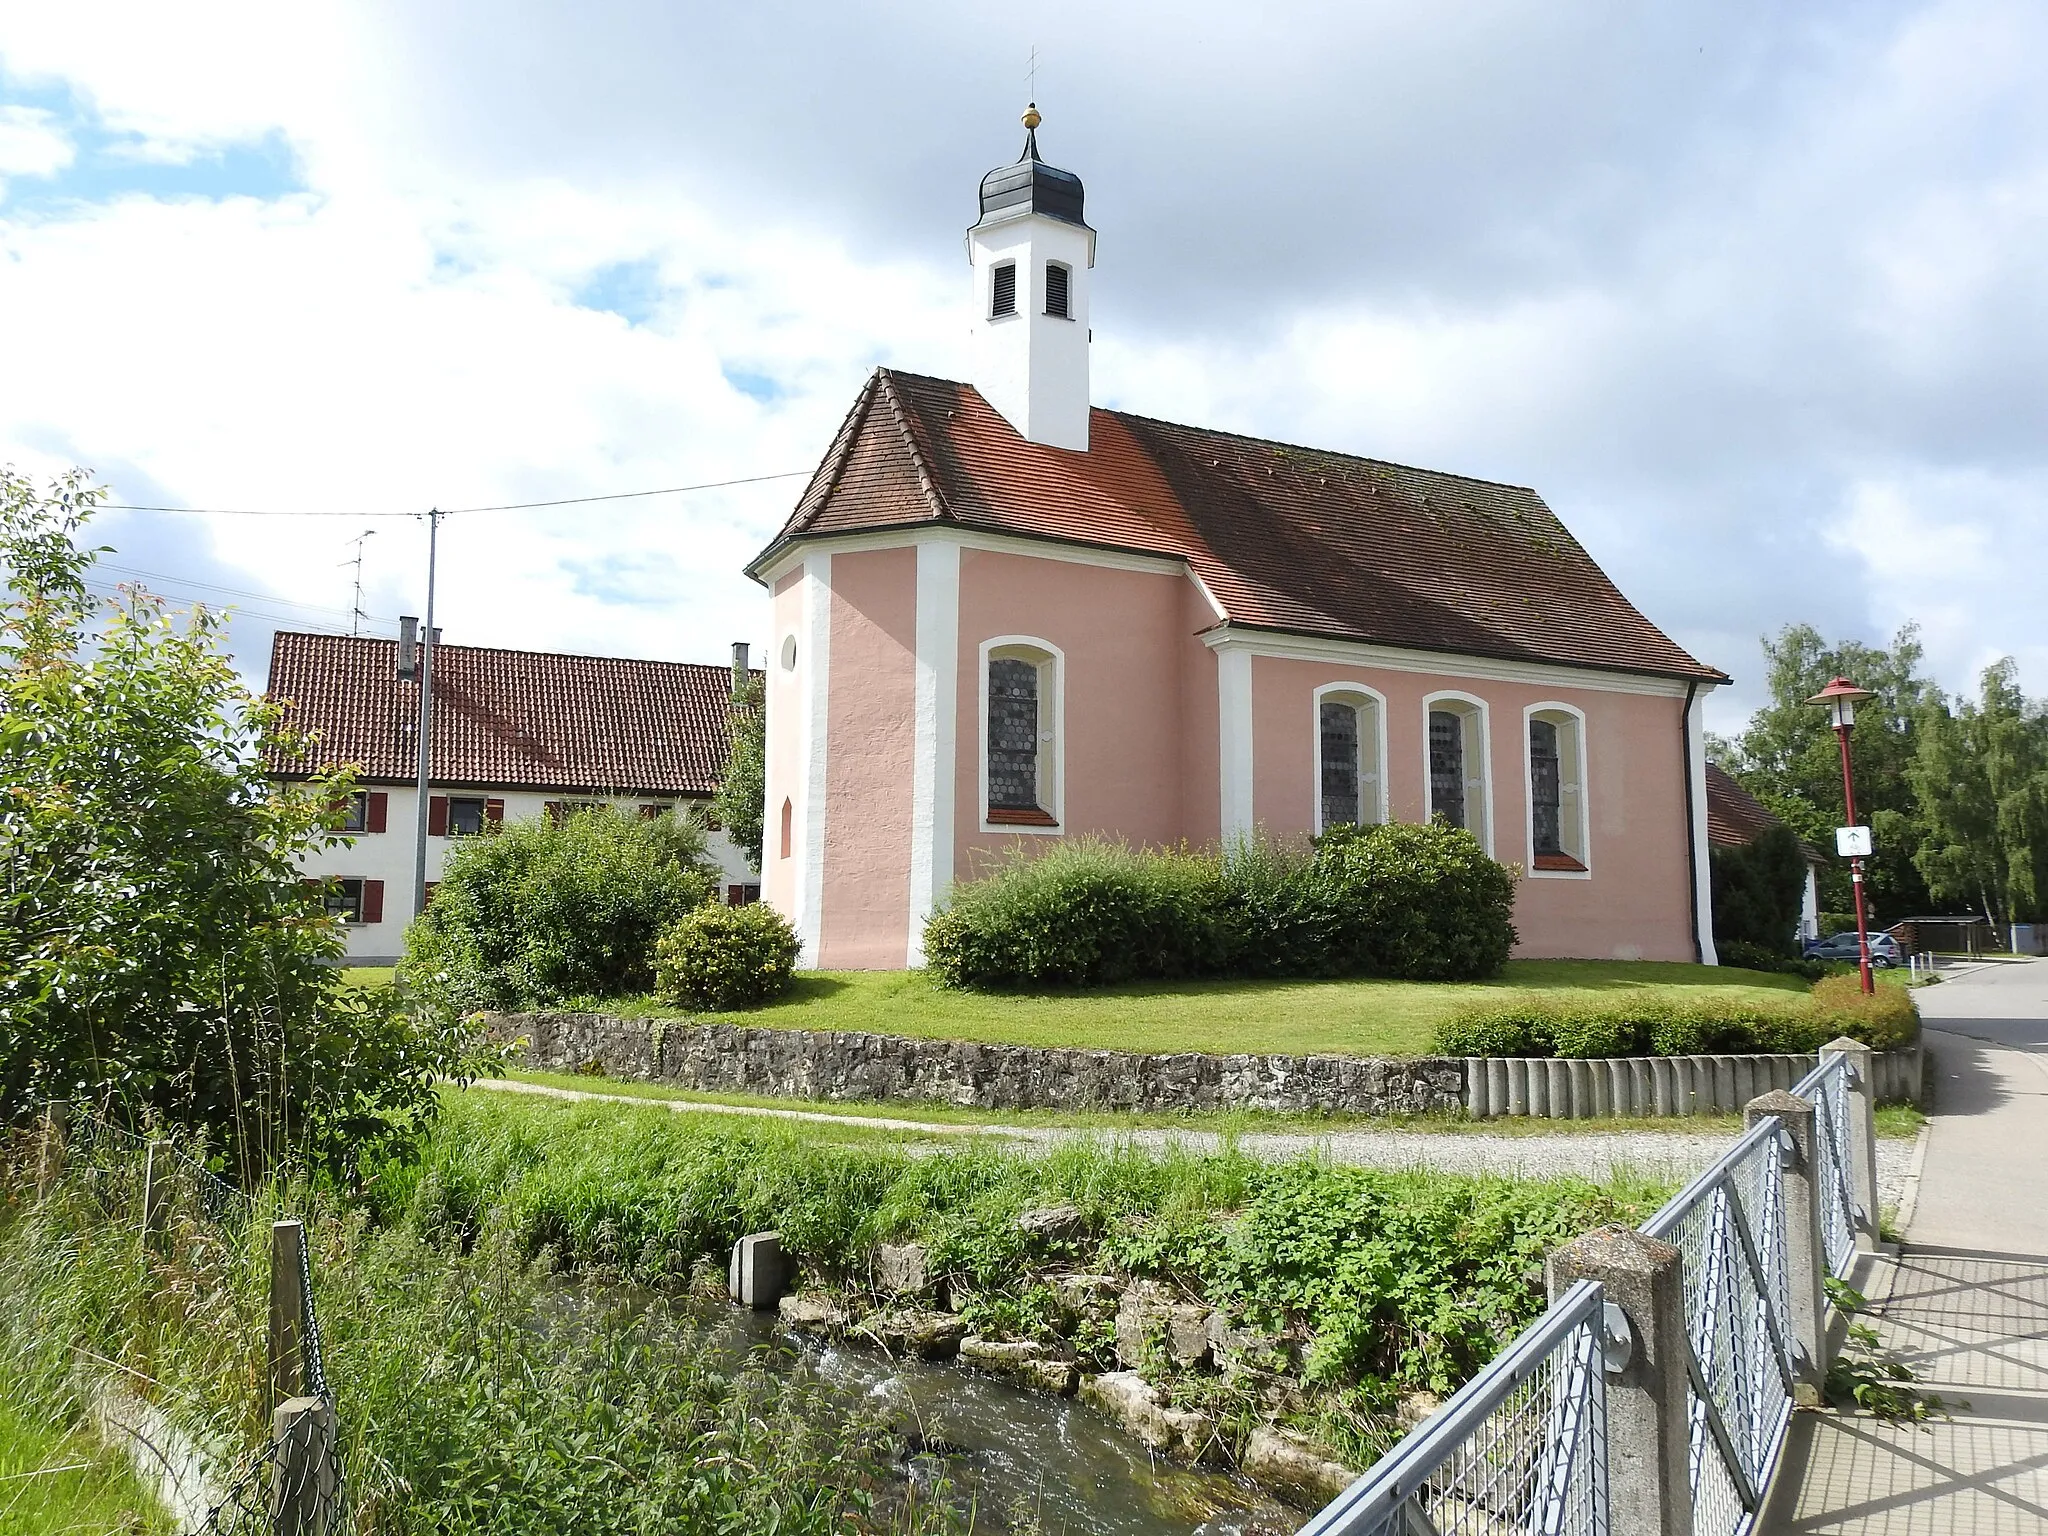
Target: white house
[[517, 734]]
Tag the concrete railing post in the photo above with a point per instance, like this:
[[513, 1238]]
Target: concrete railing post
[[1805, 1247], [156, 1191], [1862, 1101], [1648, 1435], [287, 1311], [303, 1491]]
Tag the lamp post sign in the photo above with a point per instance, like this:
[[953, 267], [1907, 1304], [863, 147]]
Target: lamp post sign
[[1852, 842]]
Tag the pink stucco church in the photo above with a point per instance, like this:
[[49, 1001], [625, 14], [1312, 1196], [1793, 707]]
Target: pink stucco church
[[1002, 614]]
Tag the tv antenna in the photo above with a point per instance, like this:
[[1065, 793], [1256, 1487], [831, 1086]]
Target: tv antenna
[[356, 614], [1031, 75]]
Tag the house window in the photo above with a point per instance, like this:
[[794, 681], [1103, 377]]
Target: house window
[[742, 895], [355, 812], [463, 815], [1057, 282], [559, 811], [355, 901], [1457, 764], [1347, 758], [1002, 296], [1021, 746], [1557, 791]]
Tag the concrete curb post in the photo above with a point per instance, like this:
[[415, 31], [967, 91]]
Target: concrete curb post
[[1862, 1101], [303, 1494], [1805, 1247], [156, 1192], [1648, 1431]]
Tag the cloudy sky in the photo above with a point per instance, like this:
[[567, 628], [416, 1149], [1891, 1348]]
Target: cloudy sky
[[1752, 292]]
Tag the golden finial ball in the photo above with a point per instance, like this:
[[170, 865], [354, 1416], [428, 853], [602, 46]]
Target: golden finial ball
[[1031, 117]]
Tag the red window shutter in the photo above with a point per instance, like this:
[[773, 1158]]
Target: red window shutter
[[494, 813], [379, 808], [437, 816], [557, 811], [432, 886], [373, 901], [649, 812]]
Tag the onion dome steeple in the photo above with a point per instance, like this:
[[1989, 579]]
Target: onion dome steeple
[[1030, 185]]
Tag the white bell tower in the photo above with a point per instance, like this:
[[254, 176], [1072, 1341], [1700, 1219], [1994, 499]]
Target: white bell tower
[[1032, 254]]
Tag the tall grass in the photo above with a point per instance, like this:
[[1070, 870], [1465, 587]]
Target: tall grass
[[472, 1398]]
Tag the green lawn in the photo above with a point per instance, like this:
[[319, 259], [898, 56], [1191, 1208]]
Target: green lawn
[[1359, 1018], [1893, 1120], [52, 1482]]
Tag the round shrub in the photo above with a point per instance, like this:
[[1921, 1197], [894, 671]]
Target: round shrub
[[726, 957], [543, 911], [1083, 913], [1422, 902]]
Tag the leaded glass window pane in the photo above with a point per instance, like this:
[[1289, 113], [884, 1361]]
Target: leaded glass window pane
[[1546, 786], [1447, 766], [1340, 762], [1012, 735]]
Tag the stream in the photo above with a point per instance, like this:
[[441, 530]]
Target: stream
[[1029, 1461]]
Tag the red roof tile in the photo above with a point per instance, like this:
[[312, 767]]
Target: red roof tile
[[1734, 816], [507, 719], [1294, 539]]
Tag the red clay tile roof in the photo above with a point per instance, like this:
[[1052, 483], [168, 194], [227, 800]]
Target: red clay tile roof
[[507, 719], [1293, 539], [1734, 816]]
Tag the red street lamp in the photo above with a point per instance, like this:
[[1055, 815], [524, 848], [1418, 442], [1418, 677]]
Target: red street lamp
[[1840, 699]]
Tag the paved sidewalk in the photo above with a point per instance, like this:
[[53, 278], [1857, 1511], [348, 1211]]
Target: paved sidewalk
[[1966, 1303]]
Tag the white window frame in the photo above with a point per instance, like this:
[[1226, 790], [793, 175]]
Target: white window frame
[[1578, 789], [1053, 661], [1379, 749], [1479, 724]]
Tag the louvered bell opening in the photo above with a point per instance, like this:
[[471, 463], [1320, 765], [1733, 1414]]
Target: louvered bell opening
[[1003, 296], [1056, 290]]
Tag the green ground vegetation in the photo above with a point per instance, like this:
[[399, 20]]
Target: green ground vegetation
[[475, 1392], [1361, 1017], [1893, 1120], [1366, 1284], [58, 1481]]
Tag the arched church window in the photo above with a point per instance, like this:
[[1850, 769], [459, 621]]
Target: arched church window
[[1348, 785], [1021, 740]]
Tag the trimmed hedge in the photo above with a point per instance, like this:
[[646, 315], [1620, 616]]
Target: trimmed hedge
[[1421, 902], [725, 957], [1587, 1025]]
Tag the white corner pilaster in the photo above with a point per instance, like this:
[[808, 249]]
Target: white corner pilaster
[[934, 767], [1234, 739], [815, 685], [1702, 873]]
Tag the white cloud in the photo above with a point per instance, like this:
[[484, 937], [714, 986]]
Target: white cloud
[[1753, 318], [31, 144]]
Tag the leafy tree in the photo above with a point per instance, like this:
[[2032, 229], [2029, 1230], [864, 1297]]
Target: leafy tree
[[545, 911], [1758, 890], [159, 950], [1982, 775], [740, 805], [1788, 759]]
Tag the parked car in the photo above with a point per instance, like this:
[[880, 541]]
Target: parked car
[[1884, 950]]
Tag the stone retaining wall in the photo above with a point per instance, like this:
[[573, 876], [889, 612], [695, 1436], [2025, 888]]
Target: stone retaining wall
[[802, 1064], [846, 1066]]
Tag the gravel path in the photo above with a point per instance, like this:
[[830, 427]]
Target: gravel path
[[1674, 1155]]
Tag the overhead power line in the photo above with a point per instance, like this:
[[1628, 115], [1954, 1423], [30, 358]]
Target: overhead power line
[[509, 506]]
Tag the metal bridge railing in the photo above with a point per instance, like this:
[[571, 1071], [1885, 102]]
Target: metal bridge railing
[[1519, 1449], [1525, 1447], [1729, 1227]]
